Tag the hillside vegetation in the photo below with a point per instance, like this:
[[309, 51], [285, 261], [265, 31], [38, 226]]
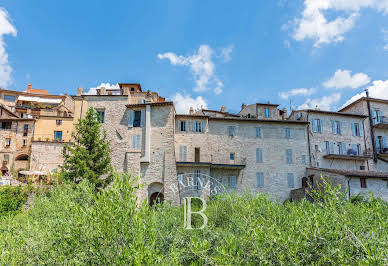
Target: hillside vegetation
[[72, 224]]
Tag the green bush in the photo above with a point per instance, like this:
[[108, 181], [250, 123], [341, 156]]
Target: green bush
[[75, 225], [11, 199]]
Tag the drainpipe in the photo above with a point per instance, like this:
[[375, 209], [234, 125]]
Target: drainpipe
[[308, 138], [147, 146], [349, 188], [365, 145], [372, 133]]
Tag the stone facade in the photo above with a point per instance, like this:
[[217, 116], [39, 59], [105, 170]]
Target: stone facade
[[46, 156]]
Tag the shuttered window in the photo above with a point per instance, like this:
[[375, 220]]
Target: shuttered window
[[260, 179], [289, 156], [182, 153], [232, 181], [259, 155], [231, 131], [287, 133], [290, 180], [136, 142], [258, 132]]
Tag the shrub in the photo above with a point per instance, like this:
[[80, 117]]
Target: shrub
[[76, 225], [11, 199]]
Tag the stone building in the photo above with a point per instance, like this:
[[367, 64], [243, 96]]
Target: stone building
[[15, 141]]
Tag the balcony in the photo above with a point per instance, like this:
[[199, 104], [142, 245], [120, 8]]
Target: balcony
[[383, 153], [235, 164], [351, 155], [381, 123]]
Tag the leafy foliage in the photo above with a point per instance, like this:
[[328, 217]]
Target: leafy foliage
[[78, 226], [89, 155], [11, 199]]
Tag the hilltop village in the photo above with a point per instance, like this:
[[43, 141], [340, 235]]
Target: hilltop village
[[261, 149]]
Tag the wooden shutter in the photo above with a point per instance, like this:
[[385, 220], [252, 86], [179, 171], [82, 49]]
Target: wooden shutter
[[377, 144], [344, 148], [341, 128], [179, 125], [260, 179], [258, 132], [289, 156], [131, 115], [203, 126], [321, 125], [333, 127], [384, 142], [232, 181], [259, 155], [194, 125], [361, 129], [290, 180]]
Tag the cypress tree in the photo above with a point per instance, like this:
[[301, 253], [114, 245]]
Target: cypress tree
[[88, 156]]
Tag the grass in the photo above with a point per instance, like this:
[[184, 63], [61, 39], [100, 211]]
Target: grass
[[74, 225]]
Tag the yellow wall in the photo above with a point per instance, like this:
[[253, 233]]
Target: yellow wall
[[45, 127]]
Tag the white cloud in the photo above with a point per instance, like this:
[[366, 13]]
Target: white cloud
[[201, 66], [108, 86], [6, 28], [313, 23], [184, 102], [344, 79], [325, 103], [378, 89], [225, 53], [297, 92]]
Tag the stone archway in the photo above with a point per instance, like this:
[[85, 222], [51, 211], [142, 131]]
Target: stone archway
[[155, 193]]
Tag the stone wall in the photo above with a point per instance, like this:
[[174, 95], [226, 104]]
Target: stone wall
[[46, 156]]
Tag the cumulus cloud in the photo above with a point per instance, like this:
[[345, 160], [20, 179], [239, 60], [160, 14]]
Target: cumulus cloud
[[108, 86], [344, 79], [6, 28], [378, 89], [184, 102], [297, 92], [325, 103], [315, 25], [202, 67]]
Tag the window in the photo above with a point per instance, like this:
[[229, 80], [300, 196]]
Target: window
[[317, 126], [7, 142], [197, 154], [327, 147], [137, 119], [6, 158], [232, 181], [181, 125], [59, 122], [259, 155], [199, 126], [377, 116], [290, 180], [289, 156], [363, 182], [267, 112], [58, 135], [9, 98], [231, 131], [24, 142], [259, 179], [339, 148], [258, 132], [304, 160], [136, 142], [316, 148], [232, 156], [288, 133], [182, 153], [357, 129], [6, 125], [101, 115], [25, 130], [336, 127]]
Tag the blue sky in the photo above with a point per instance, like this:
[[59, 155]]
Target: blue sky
[[209, 53]]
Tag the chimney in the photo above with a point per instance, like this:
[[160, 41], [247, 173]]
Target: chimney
[[80, 91], [223, 109], [191, 112], [29, 86], [125, 91], [284, 115], [243, 106], [102, 91]]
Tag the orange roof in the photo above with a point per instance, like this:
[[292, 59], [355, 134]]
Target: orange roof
[[37, 91]]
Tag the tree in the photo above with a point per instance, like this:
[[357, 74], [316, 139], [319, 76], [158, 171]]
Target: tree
[[88, 157]]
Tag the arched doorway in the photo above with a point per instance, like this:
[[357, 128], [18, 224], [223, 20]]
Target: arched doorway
[[22, 157], [155, 193]]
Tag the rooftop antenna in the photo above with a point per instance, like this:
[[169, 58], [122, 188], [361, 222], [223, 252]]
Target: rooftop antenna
[[290, 105], [367, 93]]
